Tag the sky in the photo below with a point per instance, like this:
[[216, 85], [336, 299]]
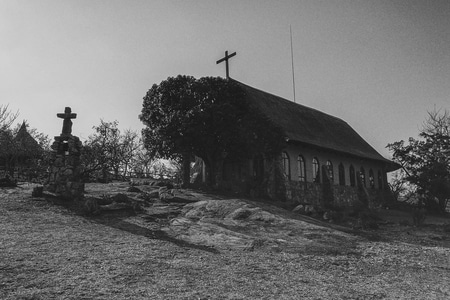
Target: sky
[[380, 65]]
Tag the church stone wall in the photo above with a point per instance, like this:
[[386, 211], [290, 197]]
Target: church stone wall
[[240, 177], [304, 192], [344, 195], [309, 153], [328, 191], [341, 196]]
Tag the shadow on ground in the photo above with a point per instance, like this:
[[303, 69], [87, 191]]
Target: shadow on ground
[[156, 234], [224, 230]]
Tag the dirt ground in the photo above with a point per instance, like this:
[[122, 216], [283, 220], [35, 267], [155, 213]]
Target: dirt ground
[[200, 246]]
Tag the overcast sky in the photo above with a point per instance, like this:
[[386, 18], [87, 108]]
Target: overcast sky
[[378, 65]]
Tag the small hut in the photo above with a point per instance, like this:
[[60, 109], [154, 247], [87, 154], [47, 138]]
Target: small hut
[[19, 152]]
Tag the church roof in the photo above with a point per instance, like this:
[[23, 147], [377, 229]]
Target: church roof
[[310, 126]]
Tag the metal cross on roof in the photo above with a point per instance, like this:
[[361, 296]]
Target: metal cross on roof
[[226, 61]]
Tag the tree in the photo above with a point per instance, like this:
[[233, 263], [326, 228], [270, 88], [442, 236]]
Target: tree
[[207, 117], [401, 189], [129, 144], [108, 150], [426, 160], [141, 162], [102, 150], [7, 117], [7, 147], [31, 151]]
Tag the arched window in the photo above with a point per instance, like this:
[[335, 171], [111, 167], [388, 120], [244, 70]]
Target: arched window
[[341, 174], [316, 170], [371, 179], [352, 175], [286, 164], [362, 176], [301, 168], [380, 180], [330, 170]]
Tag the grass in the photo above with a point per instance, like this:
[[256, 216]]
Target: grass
[[50, 252]]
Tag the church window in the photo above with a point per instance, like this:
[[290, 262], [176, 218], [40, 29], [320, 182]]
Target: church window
[[341, 174], [362, 176], [316, 170], [380, 180], [286, 164], [352, 175], [330, 170], [301, 169], [371, 179]]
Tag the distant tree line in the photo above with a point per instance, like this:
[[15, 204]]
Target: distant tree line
[[108, 153]]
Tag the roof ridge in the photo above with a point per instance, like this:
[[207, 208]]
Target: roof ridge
[[289, 101], [308, 125]]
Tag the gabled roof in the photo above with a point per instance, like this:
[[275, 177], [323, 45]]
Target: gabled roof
[[309, 126], [27, 144]]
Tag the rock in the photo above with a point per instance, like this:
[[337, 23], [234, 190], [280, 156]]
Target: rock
[[104, 200], [240, 214], [133, 189], [309, 209], [37, 191], [299, 208], [168, 185], [121, 198], [67, 172], [263, 216], [91, 207], [153, 194], [180, 222], [144, 196], [137, 207], [165, 193]]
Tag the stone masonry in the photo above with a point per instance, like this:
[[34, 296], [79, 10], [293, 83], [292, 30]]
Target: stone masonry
[[65, 173]]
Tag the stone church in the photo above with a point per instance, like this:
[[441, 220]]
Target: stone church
[[325, 162]]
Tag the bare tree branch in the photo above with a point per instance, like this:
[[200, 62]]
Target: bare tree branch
[[7, 117]]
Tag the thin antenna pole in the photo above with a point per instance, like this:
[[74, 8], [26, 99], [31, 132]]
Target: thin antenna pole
[[292, 60]]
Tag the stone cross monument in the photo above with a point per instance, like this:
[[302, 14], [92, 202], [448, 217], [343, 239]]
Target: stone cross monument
[[67, 124], [65, 173]]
